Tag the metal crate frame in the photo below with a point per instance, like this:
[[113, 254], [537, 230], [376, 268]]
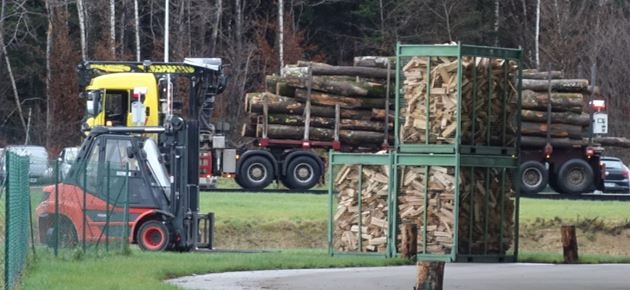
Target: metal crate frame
[[458, 51]]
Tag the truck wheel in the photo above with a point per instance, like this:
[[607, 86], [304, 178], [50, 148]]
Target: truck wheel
[[67, 235], [575, 176], [533, 177], [153, 236], [303, 173], [255, 173]]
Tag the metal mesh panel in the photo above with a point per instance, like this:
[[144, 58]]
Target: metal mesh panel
[[17, 221], [90, 209]]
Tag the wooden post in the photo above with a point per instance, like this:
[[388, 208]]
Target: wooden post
[[430, 276], [409, 245], [569, 244]]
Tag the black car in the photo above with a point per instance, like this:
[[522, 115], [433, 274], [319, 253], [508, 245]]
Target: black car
[[616, 178]]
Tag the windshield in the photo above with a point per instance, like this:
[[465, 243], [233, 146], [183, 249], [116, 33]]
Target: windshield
[[157, 168]]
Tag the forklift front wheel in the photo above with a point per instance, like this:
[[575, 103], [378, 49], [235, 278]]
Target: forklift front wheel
[[153, 236]]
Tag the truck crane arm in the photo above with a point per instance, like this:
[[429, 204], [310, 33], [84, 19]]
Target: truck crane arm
[[210, 67]]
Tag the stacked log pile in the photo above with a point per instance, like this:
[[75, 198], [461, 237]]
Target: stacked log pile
[[361, 218], [430, 109], [310, 96], [567, 113]]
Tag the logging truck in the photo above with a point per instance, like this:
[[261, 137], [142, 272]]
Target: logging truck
[[556, 135], [138, 93]]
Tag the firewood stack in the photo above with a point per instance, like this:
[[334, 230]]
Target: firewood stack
[[569, 118], [297, 98], [486, 214], [485, 91], [367, 218], [431, 208]]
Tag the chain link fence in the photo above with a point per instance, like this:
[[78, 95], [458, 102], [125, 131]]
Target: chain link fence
[[16, 222], [87, 209]]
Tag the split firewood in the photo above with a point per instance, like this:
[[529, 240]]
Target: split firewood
[[361, 217], [431, 102]]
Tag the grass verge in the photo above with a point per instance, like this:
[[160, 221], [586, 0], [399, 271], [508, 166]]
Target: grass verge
[[240, 214], [147, 270]]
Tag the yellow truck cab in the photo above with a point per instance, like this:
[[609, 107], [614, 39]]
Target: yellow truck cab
[[118, 93]]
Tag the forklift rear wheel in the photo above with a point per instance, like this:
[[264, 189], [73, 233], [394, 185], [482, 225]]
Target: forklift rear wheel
[[67, 235], [303, 173], [153, 236], [256, 173]]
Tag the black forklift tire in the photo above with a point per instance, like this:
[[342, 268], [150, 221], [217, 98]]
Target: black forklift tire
[[303, 172], [67, 236], [153, 236], [575, 176], [532, 177], [255, 173]]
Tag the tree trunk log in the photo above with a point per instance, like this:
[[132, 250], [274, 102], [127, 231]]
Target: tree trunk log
[[347, 137], [366, 72], [430, 276], [375, 61], [338, 85], [542, 75], [559, 85], [329, 123], [278, 86], [569, 244], [613, 141], [557, 130], [539, 142], [580, 119], [285, 105], [324, 99], [560, 102]]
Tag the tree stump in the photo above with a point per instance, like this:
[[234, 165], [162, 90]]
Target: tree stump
[[430, 275], [569, 245], [409, 245]]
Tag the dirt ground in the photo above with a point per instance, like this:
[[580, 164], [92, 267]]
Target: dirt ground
[[593, 238]]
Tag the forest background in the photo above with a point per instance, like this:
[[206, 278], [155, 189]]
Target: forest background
[[43, 41]]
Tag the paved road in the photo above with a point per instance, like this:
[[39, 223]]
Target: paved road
[[469, 276]]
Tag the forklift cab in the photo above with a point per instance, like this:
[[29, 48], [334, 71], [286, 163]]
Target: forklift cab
[[120, 168]]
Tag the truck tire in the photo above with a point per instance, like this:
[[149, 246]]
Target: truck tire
[[533, 177], [303, 172], [575, 176], [153, 236], [255, 173]]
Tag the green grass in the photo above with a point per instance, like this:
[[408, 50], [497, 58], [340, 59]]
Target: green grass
[[574, 210], [265, 207], [144, 270]]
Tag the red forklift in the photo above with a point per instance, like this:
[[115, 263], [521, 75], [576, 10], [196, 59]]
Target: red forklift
[[139, 182]]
